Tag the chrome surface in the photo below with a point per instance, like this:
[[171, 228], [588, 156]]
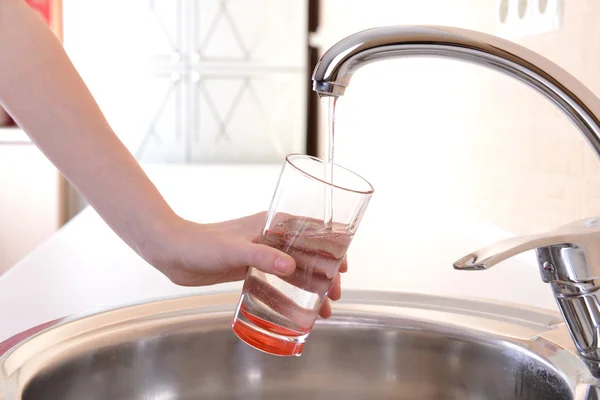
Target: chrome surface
[[569, 257], [377, 346]]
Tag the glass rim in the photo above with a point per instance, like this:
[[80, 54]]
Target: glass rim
[[290, 157]]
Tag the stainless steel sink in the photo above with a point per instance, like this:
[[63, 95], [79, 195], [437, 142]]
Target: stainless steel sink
[[377, 346]]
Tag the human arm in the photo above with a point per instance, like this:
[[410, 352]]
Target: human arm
[[42, 91]]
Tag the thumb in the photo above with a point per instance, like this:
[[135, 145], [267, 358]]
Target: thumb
[[265, 258]]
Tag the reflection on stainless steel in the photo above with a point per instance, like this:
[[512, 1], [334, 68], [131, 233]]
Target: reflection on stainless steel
[[569, 257], [377, 346]]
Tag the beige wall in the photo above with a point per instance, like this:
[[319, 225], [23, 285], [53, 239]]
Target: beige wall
[[553, 177], [440, 136]]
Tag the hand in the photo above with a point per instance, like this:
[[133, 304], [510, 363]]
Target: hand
[[78, 140], [192, 254]]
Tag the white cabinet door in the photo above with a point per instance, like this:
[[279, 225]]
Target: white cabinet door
[[192, 81], [30, 201]]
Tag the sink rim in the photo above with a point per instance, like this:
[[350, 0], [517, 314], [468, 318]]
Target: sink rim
[[542, 333], [510, 312]]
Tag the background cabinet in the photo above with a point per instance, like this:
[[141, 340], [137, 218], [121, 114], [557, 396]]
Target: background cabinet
[[196, 81]]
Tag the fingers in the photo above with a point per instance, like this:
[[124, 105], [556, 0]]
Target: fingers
[[238, 274], [307, 282], [344, 265], [277, 301], [335, 293], [325, 309], [261, 257], [325, 266]]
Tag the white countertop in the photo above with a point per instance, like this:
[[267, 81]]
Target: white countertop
[[86, 266], [13, 135]]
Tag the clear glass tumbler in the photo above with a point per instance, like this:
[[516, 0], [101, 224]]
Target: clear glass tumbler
[[314, 222]]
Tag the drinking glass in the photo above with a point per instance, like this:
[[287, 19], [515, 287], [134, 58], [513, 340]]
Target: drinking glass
[[313, 220]]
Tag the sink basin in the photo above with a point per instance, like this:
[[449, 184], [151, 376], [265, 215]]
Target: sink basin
[[378, 345]]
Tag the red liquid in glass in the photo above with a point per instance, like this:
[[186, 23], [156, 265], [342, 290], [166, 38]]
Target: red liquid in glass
[[276, 314]]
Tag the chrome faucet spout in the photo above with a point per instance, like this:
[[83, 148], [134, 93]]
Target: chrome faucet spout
[[336, 67], [569, 257]]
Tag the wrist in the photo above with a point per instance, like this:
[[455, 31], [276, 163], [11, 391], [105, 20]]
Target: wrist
[[155, 240]]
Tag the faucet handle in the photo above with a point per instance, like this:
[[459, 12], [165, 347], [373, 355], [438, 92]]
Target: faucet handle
[[569, 260], [567, 255]]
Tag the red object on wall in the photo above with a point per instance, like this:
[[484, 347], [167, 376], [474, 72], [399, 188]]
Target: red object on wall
[[42, 7], [51, 13]]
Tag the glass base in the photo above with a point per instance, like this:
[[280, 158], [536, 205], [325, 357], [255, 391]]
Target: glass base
[[267, 337]]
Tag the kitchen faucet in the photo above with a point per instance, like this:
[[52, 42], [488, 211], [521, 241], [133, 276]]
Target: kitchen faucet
[[568, 257]]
